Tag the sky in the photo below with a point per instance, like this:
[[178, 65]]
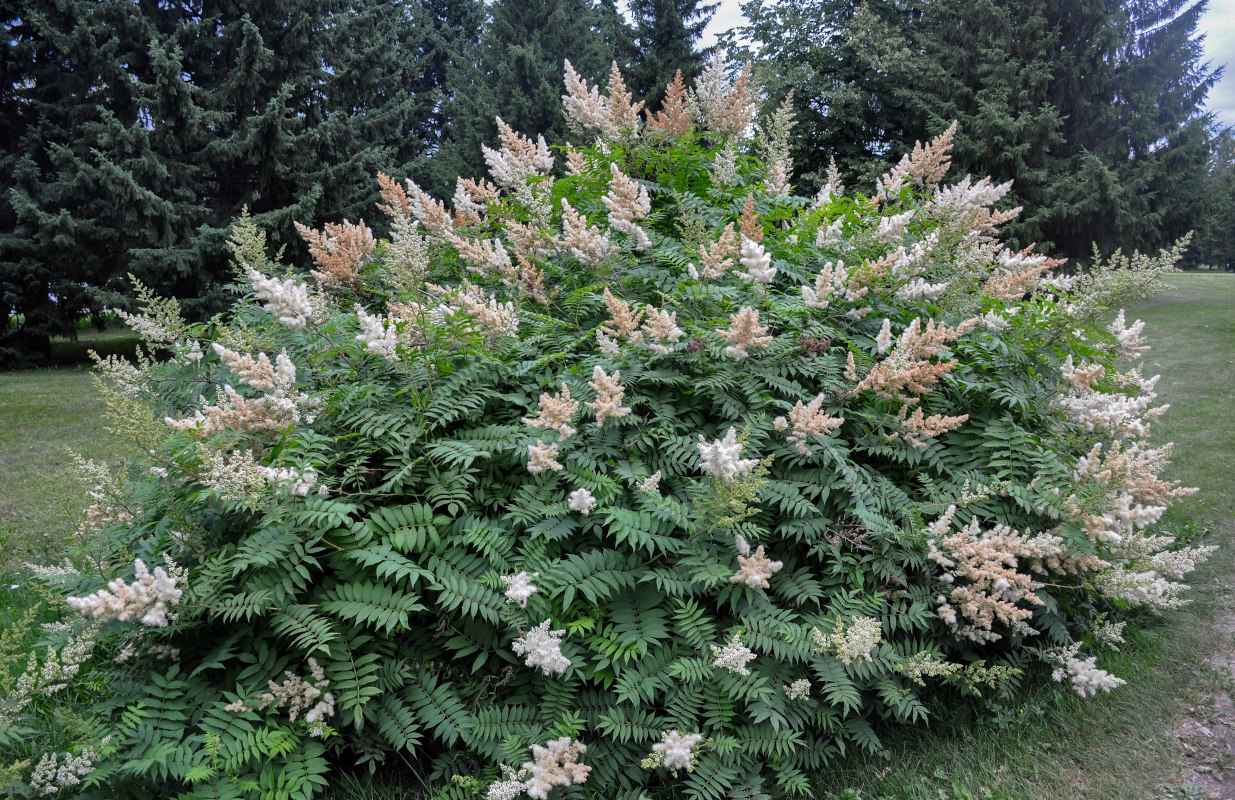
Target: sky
[[1218, 25]]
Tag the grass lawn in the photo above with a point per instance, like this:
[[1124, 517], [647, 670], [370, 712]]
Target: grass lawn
[[43, 415], [1043, 743]]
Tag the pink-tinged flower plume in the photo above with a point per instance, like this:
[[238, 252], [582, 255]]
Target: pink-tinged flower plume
[[609, 394], [744, 331]]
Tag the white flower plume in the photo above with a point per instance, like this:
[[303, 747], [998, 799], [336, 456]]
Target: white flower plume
[[542, 648], [722, 459]]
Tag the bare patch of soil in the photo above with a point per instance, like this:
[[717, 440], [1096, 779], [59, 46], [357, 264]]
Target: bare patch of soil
[[1207, 731]]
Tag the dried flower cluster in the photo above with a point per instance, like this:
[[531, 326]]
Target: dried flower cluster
[[661, 326], [554, 764], [982, 579], [609, 117], [744, 332], [518, 159], [277, 379], [628, 202], [924, 167], [427, 211], [543, 457], [623, 320], [908, 372], [279, 408], [755, 569], [721, 105], [491, 318], [917, 428], [1018, 274], [557, 413], [609, 394], [673, 119], [339, 251], [717, 257], [832, 283], [587, 243]]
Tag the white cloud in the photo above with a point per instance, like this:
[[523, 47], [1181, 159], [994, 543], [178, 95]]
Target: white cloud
[[729, 15], [1218, 25]]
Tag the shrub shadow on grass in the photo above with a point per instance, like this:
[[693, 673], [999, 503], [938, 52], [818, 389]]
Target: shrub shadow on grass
[[113, 341]]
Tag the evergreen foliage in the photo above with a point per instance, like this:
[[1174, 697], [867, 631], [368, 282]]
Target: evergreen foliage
[[520, 71], [626, 467], [141, 130], [1216, 237], [448, 82], [853, 73], [663, 42]]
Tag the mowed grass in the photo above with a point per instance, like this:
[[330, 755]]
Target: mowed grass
[[1192, 329], [45, 414], [1047, 743]]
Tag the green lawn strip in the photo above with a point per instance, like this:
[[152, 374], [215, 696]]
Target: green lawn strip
[[43, 415], [1046, 742], [1192, 329]]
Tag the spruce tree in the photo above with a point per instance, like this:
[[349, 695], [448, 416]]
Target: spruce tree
[[662, 42], [449, 90], [65, 82], [991, 65], [143, 130], [525, 47], [1163, 151], [1215, 240], [851, 68], [617, 34]]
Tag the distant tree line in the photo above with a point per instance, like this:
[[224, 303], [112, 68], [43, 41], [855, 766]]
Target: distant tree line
[[133, 132]]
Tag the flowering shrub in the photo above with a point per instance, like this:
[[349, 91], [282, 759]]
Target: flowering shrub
[[645, 475]]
